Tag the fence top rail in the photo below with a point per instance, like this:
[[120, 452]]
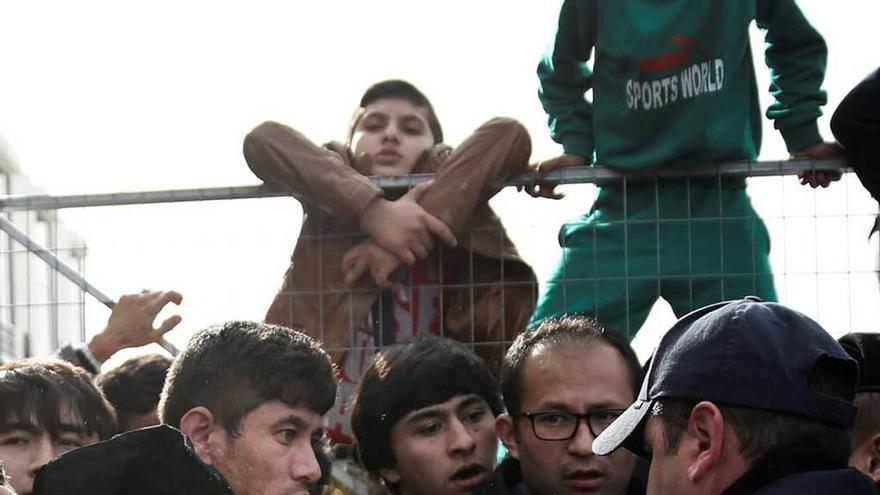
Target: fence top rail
[[573, 175]]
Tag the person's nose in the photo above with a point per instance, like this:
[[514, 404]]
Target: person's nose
[[460, 438], [581, 444], [305, 467], [41, 453], [392, 133]]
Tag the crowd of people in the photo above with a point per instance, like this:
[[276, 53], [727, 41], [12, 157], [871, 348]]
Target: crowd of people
[[743, 396], [407, 338]]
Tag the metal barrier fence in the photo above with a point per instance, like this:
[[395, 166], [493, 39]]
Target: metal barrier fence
[[820, 259], [812, 222]]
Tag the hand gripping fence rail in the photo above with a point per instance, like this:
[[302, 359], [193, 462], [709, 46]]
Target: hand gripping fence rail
[[574, 175]]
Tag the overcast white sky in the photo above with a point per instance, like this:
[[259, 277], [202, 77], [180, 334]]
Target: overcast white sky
[[101, 96]]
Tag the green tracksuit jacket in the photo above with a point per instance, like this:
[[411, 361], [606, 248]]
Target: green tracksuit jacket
[[672, 83]]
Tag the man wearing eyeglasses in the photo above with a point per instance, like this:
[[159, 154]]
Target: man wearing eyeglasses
[[563, 384]]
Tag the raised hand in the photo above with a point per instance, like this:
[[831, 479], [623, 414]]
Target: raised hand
[[131, 323]]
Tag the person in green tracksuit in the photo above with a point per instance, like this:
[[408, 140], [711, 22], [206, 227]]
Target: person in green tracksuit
[[672, 84]]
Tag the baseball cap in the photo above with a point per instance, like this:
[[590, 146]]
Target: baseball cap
[[865, 349], [745, 353]]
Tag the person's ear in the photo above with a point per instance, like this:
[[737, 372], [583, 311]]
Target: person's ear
[[506, 431], [867, 457], [705, 441], [199, 425]]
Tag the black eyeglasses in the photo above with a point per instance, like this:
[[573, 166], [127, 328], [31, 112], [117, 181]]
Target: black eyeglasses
[[558, 425]]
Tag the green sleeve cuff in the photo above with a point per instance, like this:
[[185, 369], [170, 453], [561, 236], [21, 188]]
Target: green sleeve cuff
[[578, 145], [801, 136]]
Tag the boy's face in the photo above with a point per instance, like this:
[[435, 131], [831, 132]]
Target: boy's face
[[25, 446], [272, 454], [395, 133], [446, 448]]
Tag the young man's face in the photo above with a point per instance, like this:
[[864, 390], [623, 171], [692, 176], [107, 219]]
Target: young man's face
[[578, 378], [395, 133], [444, 449], [272, 453], [25, 446]]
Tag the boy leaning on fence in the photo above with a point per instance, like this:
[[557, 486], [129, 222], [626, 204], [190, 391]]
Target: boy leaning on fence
[[672, 84], [365, 271]]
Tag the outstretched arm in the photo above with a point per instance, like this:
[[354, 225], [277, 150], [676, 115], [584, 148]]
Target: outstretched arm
[[796, 56], [565, 78], [131, 323], [498, 150], [325, 177]]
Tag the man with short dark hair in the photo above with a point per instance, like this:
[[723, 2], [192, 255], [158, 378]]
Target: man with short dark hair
[[47, 407], [744, 397], [248, 399], [562, 385], [134, 388], [424, 415], [865, 349]]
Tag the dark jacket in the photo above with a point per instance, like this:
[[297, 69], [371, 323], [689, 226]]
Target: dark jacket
[[838, 481], [151, 461], [856, 125], [508, 480]]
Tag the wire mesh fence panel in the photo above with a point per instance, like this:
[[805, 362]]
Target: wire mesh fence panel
[[633, 253]]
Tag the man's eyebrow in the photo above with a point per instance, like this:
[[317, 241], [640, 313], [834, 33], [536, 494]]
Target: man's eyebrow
[[18, 426], [469, 401], [413, 117], [435, 411], [558, 406], [552, 406], [427, 413], [291, 420], [376, 114]]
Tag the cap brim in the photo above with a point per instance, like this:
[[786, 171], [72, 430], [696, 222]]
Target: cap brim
[[620, 432]]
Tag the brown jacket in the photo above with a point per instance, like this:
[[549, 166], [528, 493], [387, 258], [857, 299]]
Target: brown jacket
[[489, 275]]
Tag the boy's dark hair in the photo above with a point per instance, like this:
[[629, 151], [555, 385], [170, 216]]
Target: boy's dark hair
[[134, 386], [237, 366], [396, 88], [406, 377], [564, 330], [33, 392]]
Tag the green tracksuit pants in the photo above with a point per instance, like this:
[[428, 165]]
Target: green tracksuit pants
[[691, 241]]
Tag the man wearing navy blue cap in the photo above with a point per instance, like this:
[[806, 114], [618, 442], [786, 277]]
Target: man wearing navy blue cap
[[865, 349], [744, 397]]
